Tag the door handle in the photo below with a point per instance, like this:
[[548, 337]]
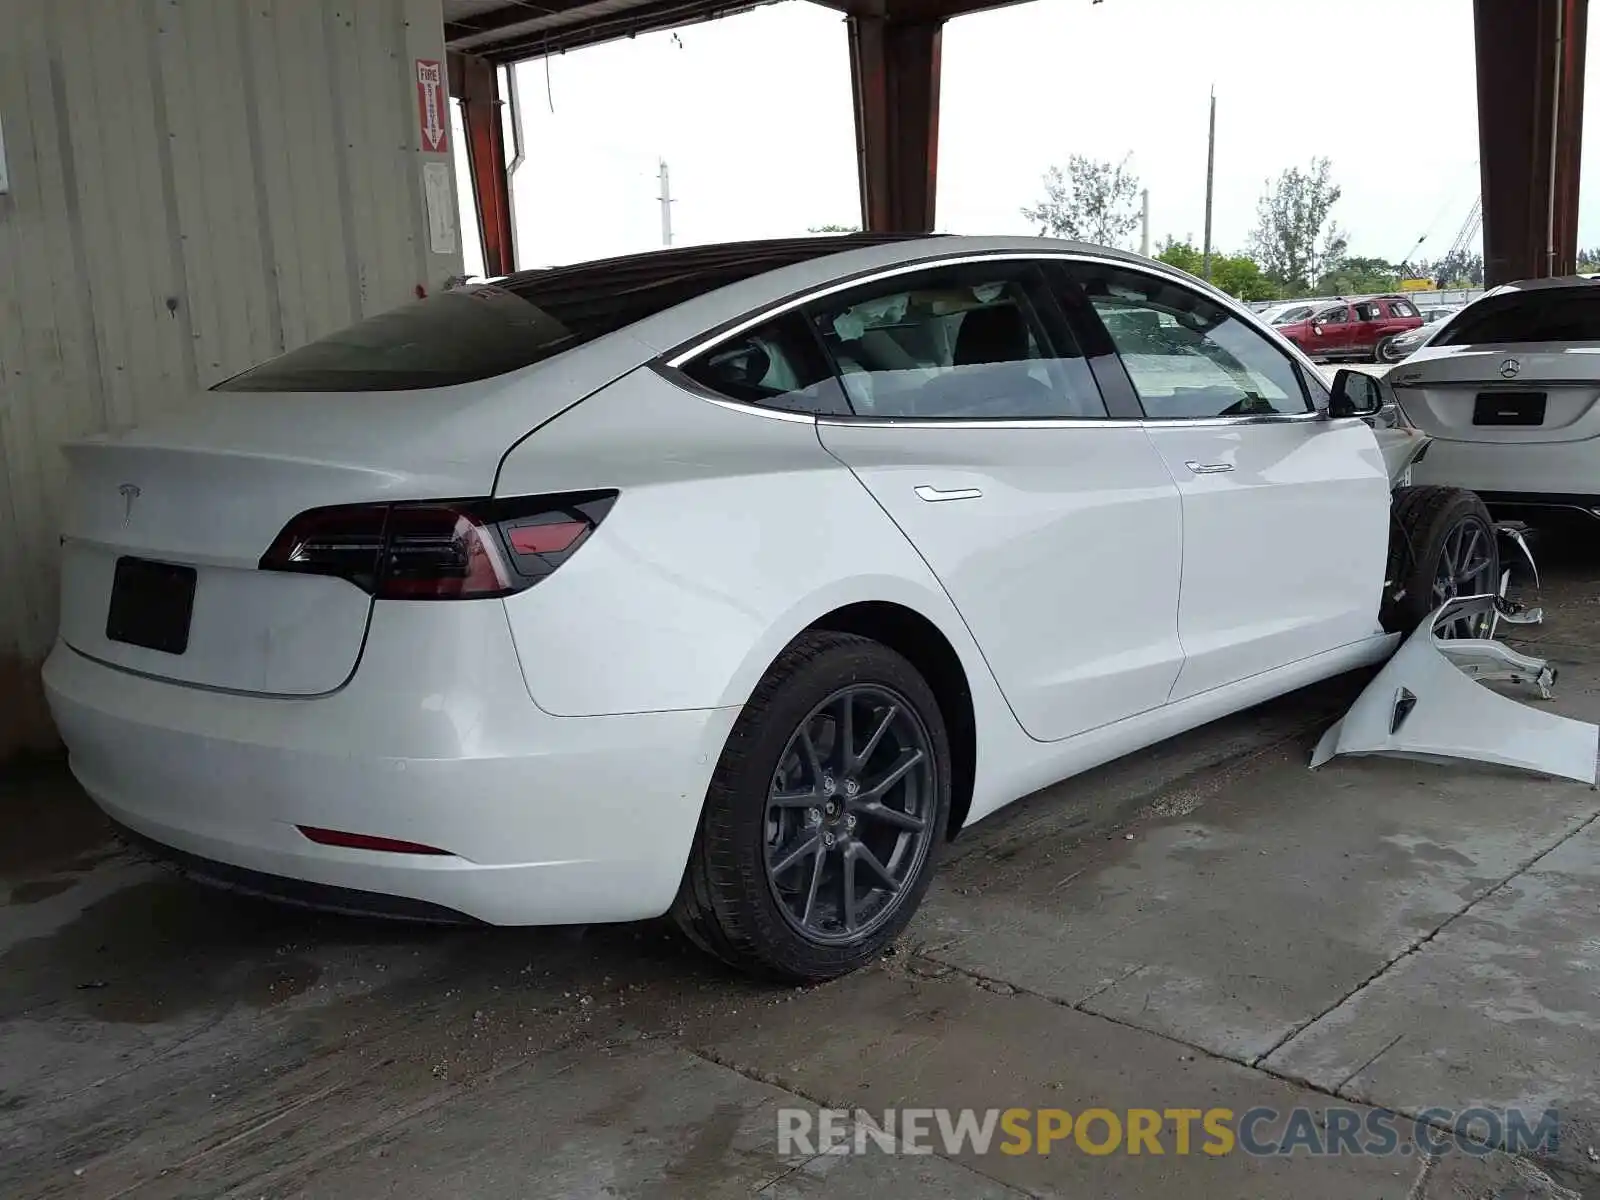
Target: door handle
[[1208, 468], [933, 495]]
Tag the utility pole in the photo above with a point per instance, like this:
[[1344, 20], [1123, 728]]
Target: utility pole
[[1144, 218], [666, 206], [1211, 170]]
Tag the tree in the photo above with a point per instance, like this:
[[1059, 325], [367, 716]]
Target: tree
[[1237, 274], [1589, 261], [1461, 269], [1295, 239], [1091, 201], [1354, 276]]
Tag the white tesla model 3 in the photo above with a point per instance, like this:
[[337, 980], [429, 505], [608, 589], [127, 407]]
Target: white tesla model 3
[[726, 581]]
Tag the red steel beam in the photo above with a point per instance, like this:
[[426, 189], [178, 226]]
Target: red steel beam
[[1530, 57], [476, 82], [894, 72]]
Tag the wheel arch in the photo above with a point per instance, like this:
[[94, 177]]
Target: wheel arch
[[924, 645]]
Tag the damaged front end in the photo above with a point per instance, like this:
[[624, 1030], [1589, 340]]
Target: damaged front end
[[1429, 703]]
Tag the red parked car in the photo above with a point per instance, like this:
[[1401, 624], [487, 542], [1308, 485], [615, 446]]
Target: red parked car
[[1361, 329]]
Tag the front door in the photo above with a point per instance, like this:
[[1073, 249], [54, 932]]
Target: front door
[[1285, 513], [1332, 332], [979, 427]]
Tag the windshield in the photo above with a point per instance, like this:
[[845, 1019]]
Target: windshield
[[1296, 312]]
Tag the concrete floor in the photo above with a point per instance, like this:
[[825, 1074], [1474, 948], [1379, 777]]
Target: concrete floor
[[1204, 924]]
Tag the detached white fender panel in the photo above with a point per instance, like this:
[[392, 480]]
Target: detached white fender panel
[[1427, 704]]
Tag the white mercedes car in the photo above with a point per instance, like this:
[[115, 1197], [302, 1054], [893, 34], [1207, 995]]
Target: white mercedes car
[[1507, 389], [728, 581]]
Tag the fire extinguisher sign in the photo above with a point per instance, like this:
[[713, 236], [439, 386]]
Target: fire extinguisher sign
[[431, 105]]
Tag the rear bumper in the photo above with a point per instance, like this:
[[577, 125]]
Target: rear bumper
[[1561, 471], [545, 820]]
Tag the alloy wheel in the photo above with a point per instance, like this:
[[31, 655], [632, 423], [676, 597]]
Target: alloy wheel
[[1466, 568], [850, 814]]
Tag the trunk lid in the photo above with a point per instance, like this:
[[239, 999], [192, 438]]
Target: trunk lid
[[209, 489], [1511, 393]]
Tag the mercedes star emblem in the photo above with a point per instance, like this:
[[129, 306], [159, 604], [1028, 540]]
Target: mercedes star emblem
[[1509, 368]]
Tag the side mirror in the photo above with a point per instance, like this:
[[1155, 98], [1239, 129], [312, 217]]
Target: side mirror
[[1358, 394]]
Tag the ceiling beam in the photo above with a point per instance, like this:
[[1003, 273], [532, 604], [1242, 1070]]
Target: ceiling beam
[[650, 17], [915, 10], [515, 13]]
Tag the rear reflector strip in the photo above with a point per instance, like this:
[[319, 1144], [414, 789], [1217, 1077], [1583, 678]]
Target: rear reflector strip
[[364, 841]]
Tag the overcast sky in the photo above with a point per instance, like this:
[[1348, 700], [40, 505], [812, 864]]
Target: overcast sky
[[752, 115]]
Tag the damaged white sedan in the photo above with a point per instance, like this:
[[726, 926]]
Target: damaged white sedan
[[724, 581]]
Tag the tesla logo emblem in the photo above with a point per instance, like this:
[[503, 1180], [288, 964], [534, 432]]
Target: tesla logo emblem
[[1510, 367], [129, 493]]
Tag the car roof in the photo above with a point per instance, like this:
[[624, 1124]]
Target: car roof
[[1554, 281], [728, 281]]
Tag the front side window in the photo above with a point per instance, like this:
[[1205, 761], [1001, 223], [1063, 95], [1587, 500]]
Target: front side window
[[776, 365], [973, 342], [1337, 315], [1189, 357]]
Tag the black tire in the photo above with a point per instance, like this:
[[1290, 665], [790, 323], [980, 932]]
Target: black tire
[[1424, 520], [728, 903], [1381, 353]]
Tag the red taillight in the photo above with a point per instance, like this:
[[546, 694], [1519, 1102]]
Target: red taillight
[[365, 841], [440, 550]]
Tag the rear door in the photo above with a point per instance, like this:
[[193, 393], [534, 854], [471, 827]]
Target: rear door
[[1371, 321], [1285, 513], [977, 423]]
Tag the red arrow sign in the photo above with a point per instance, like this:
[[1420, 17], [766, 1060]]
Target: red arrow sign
[[430, 104]]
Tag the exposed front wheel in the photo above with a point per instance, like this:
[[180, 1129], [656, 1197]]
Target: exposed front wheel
[[825, 814], [1384, 351], [1442, 545]]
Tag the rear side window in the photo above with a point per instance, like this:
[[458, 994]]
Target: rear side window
[[776, 365], [958, 343], [1559, 315], [1401, 308]]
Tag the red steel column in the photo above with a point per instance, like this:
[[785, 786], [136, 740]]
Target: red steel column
[[1530, 56], [894, 72], [477, 84]]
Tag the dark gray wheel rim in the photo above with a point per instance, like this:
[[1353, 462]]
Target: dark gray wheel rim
[[1466, 568], [850, 814]]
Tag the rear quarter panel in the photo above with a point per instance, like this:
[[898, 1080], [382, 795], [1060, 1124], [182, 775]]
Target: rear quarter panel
[[733, 532]]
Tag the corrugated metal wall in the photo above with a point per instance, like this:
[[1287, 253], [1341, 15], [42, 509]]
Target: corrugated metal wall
[[195, 185]]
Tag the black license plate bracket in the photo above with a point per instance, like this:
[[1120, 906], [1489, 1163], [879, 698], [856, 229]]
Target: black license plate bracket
[[152, 605], [1509, 408]]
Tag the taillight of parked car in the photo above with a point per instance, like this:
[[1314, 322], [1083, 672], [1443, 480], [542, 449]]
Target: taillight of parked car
[[440, 549]]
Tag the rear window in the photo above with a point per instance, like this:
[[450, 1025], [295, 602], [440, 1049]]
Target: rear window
[[1561, 315], [479, 332], [453, 337]]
